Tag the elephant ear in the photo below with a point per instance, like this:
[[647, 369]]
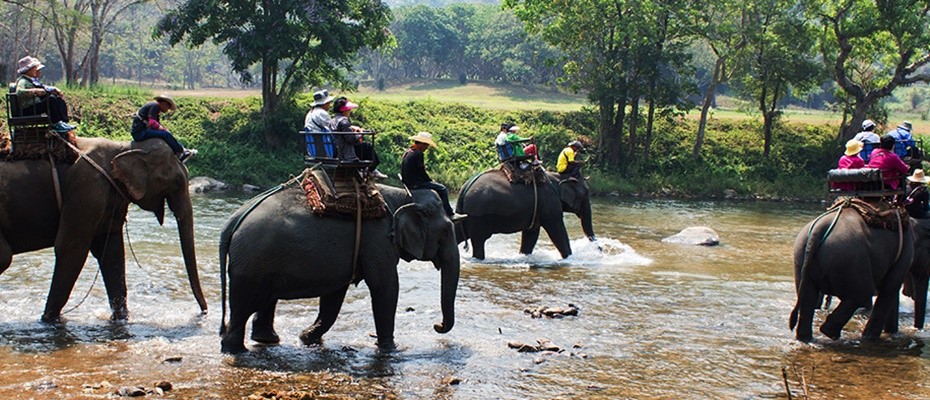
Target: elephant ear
[[131, 169], [569, 192], [412, 234]]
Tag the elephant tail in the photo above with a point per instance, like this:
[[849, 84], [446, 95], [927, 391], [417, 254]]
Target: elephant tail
[[225, 239]]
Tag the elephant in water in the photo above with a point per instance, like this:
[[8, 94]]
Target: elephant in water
[[277, 248], [915, 285], [841, 256], [92, 212], [494, 205]]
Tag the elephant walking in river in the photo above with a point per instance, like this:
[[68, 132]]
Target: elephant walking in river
[[95, 196], [278, 249], [840, 255], [494, 205]]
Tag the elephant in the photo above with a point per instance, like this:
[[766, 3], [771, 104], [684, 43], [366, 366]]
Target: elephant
[[95, 194], [278, 249], [837, 254], [494, 205]]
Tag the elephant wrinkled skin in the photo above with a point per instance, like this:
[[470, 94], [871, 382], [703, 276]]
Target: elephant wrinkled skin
[[853, 263], [278, 249], [93, 213], [494, 205]]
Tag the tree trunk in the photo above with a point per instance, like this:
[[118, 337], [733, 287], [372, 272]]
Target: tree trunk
[[634, 122], [708, 99], [616, 130], [605, 115], [650, 119]]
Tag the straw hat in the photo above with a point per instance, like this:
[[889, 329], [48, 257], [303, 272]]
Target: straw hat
[[853, 147], [167, 99], [919, 176], [424, 137], [26, 63]]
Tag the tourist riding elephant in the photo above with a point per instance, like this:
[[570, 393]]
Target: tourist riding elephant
[[844, 257], [494, 205], [278, 249], [92, 212]]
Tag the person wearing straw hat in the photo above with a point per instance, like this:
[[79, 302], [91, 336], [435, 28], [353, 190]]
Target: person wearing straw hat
[[318, 119], [146, 124], [36, 98], [850, 160], [917, 202], [414, 176]]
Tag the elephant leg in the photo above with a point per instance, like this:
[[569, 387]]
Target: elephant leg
[[884, 315], [243, 302], [111, 257], [6, 255], [330, 305], [69, 260], [528, 240], [920, 301], [384, 307], [559, 236], [477, 245], [263, 325], [833, 326]]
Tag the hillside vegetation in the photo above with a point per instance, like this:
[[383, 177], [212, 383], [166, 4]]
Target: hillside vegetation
[[230, 136]]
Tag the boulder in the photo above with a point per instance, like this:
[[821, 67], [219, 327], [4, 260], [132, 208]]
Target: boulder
[[695, 236], [250, 188], [203, 184]]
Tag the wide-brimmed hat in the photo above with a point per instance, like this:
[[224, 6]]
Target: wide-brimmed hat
[[167, 99], [343, 104], [320, 98], [919, 176], [576, 144], [424, 137], [906, 125], [514, 128], [853, 147], [26, 63], [868, 124]]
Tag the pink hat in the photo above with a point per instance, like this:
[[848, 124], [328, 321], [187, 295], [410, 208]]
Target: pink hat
[[348, 106]]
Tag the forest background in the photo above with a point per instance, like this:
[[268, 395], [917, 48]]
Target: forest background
[[698, 99]]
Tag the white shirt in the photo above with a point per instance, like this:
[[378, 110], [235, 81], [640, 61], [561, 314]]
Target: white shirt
[[501, 139], [317, 120], [867, 137]]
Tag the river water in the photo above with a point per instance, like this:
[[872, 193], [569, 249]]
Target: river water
[[656, 320]]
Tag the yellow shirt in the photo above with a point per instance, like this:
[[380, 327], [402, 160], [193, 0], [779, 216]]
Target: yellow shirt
[[566, 156]]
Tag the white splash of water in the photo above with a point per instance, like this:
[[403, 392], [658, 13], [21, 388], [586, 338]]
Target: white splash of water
[[504, 250]]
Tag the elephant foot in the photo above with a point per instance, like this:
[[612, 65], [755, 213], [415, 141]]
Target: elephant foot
[[265, 337], [51, 319], [386, 345], [310, 338], [829, 332], [120, 316], [233, 349], [806, 338]]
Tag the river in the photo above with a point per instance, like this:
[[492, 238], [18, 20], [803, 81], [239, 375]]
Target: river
[[655, 320]]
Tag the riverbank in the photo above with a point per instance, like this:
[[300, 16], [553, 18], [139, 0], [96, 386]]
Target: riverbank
[[237, 146]]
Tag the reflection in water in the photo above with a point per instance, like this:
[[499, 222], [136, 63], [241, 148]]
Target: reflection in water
[[656, 320]]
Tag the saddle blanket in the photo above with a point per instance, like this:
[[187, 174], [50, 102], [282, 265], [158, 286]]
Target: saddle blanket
[[342, 193]]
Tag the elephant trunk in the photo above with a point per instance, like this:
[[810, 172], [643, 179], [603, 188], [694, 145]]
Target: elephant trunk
[[180, 204], [585, 215], [449, 265]]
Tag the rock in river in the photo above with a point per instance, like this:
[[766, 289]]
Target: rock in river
[[695, 236], [203, 184]]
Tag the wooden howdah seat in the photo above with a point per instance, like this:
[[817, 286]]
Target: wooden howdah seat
[[321, 149], [861, 183], [30, 136]]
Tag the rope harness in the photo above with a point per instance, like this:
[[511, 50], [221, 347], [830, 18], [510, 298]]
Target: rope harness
[[869, 214]]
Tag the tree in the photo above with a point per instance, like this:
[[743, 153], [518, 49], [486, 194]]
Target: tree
[[295, 42], [779, 59], [873, 47]]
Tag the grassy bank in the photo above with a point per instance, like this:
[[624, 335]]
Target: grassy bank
[[233, 143]]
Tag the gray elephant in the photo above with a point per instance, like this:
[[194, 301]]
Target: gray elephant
[[841, 256], [494, 205], [278, 249], [92, 212]]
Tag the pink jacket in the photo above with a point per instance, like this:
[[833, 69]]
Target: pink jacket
[[891, 165], [848, 162]]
